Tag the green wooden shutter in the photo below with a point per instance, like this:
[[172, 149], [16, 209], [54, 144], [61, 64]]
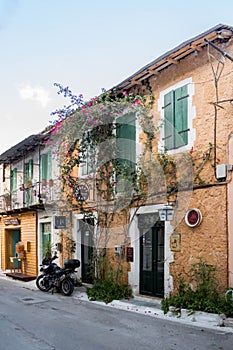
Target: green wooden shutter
[[30, 169], [43, 166], [169, 121], [126, 150], [49, 165], [26, 171], [176, 118], [13, 179], [181, 116]]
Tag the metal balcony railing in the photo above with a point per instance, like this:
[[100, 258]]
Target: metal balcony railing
[[27, 197]]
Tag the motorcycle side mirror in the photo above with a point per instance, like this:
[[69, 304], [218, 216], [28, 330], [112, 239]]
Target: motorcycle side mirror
[[55, 256]]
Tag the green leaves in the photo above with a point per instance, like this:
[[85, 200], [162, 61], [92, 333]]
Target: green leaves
[[108, 290], [204, 296]]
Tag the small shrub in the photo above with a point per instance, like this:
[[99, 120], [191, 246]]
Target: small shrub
[[77, 282], [108, 290], [204, 297]]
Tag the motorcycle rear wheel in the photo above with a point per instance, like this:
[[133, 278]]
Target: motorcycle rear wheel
[[43, 284], [67, 286]]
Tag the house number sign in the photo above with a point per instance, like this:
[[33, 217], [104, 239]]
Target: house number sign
[[193, 217]]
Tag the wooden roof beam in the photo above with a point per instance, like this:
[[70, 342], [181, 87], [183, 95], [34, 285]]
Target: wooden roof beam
[[196, 47], [172, 60], [153, 71], [135, 82]]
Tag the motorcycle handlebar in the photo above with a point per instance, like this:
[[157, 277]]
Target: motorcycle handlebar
[[49, 260]]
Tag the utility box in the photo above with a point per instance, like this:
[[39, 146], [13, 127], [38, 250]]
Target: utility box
[[221, 172]]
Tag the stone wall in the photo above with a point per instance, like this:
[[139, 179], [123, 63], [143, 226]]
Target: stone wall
[[210, 239], [207, 241]]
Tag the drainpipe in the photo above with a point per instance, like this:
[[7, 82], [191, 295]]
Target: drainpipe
[[215, 136], [215, 105]]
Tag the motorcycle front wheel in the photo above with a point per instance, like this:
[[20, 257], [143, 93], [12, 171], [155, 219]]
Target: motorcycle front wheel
[[43, 283], [67, 286]]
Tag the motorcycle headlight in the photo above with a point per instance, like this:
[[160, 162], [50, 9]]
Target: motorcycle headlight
[[72, 275]]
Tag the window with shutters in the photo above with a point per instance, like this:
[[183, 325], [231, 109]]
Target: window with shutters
[[87, 158], [13, 182], [177, 113], [126, 147], [45, 167], [28, 172], [125, 132], [28, 175]]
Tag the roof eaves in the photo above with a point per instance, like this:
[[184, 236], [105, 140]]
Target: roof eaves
[[22, 148], [171, 55]]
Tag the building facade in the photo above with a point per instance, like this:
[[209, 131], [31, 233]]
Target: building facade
[[192, 109], [27, 189], [190, 176]]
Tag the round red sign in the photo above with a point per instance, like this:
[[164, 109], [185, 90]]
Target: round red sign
[[193, 217]]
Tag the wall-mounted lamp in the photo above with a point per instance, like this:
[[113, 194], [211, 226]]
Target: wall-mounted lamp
[[166, 213]]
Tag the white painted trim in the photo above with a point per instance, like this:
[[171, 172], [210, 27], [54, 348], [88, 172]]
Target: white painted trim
[[78, 239], [134, 235]]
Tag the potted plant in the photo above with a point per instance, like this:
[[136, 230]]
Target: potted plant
[[50, 182], [7, 198], [28, 183], [47, 249]]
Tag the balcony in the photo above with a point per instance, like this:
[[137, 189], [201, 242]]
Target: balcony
[[31, 197]]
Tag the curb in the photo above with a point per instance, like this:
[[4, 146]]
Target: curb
[[148, 307]]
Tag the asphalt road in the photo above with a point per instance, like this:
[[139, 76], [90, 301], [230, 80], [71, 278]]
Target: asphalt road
[[33, 320]]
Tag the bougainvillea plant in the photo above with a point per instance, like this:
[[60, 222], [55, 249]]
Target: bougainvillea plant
[[90, 127], [86, 133]]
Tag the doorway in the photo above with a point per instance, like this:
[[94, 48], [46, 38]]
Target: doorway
[[87, 229], [45, 249], [12, 237], [152, 261]]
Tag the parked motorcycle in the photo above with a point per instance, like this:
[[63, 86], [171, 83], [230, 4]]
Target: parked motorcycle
[[53, 276]]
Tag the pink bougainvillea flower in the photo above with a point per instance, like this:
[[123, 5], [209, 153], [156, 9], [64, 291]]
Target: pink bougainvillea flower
[[89, 120], [95, 122], [47, 142]]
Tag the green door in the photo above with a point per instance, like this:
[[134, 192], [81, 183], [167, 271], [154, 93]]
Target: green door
[[152, 261], [45, 239], [86, 227]]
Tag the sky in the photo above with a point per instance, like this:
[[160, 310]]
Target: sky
[[86, 45]]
